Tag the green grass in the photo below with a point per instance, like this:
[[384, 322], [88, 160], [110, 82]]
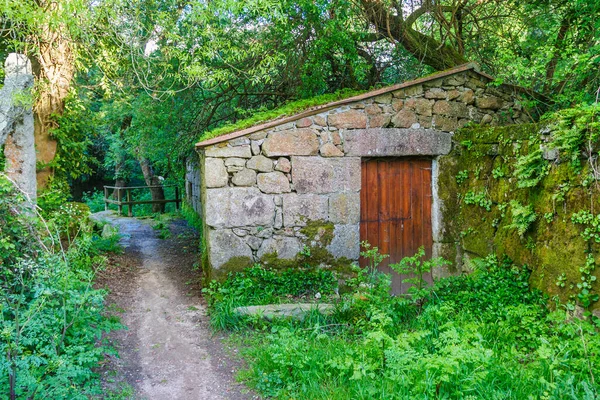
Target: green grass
[[482, 336], [286, 110]]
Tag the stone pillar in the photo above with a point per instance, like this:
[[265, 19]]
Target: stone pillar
[[16, 124]]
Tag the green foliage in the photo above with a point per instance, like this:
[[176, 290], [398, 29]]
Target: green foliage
[[485, 335], [94, 200], [258, 285], [417, 268], [462, 176], [51, 317], [531, 167], [480, 199], [522, 217], [591, 225]]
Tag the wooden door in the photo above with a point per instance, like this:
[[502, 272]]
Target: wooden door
[[395, 210]]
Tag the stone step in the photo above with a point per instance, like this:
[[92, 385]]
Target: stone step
[[290, 310]]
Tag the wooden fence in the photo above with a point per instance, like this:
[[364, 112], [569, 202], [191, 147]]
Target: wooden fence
[[117, 197]]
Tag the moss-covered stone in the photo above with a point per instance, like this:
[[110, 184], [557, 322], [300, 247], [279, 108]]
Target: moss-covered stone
[[234, 264]]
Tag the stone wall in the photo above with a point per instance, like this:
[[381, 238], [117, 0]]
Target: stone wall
[[260, 191], [193, 185]]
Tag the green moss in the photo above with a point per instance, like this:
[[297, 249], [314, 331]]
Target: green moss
[[234, 264], [318, 232], [496, 134], [273, 261], [289, 109]]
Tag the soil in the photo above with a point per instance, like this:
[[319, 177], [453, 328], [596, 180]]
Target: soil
[[168, 350]]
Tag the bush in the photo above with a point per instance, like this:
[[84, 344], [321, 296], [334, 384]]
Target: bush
[[51, 317], [485, 335]]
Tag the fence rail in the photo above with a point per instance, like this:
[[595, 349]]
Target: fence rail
[[117, 191]]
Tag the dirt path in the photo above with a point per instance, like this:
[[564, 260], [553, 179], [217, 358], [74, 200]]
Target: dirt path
[[168, 351]]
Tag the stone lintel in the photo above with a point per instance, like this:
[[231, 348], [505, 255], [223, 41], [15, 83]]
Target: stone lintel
[[388, 142]]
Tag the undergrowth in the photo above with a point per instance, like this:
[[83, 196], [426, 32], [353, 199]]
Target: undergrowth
[[481, 336], [52, 319]]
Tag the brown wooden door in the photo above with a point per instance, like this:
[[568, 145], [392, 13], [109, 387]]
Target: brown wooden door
[[395, 210]]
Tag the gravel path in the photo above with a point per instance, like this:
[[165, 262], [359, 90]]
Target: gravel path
[[168, 351]]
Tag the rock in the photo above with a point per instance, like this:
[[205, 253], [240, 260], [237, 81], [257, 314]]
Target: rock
[[383, 99], [396, 142], [254, 242], [283, 165], [379, 121], [240, 232], [228, 151], [245, 177], [491, 103], [456, 80], [300, 208], [215, 173], [446, 124], [397, 104], [549, 153], [224, 245], [373, 109], [467, 97], [326, 175], [273, 182], [258, 135], [346, 242], [109, 231], [241, 141], [450, 109], [344, 208], [302, 141], [260, 163], [420, 106], [336, 137], [238, 206], [486, 119], [285, 247], [352, 119], [435, 93], [296, 310], [411, 91], [404, 119], [304, 123], [278, 224], [453, 94], [234, 161], [320, 120], [255, 147], [329, 150]]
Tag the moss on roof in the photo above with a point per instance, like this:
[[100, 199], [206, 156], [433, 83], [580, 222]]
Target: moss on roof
[[286, 110]]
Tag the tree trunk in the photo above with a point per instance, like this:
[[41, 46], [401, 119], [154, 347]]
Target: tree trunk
[[16, 129], [157, 192], [425, 48], [55, 70]]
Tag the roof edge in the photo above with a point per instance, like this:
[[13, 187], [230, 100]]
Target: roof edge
[[328, 106]]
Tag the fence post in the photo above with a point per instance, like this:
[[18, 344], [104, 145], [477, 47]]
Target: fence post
[[177, 197], [119, 201], [130, 212], [105, 198]]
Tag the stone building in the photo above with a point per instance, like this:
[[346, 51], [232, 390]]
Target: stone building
[[362, 168]]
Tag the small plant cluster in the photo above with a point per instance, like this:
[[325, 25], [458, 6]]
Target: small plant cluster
[[486, 335], [51, 317], [480, 199]]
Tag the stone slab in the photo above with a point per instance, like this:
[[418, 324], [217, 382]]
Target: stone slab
[[237, 207], [300, 142], [326, 175], [294, 310], [396, 142], [223, 245], [346, 242], [228, 151], [215, 173], [299, 208], [285, 247], [344, 208]]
